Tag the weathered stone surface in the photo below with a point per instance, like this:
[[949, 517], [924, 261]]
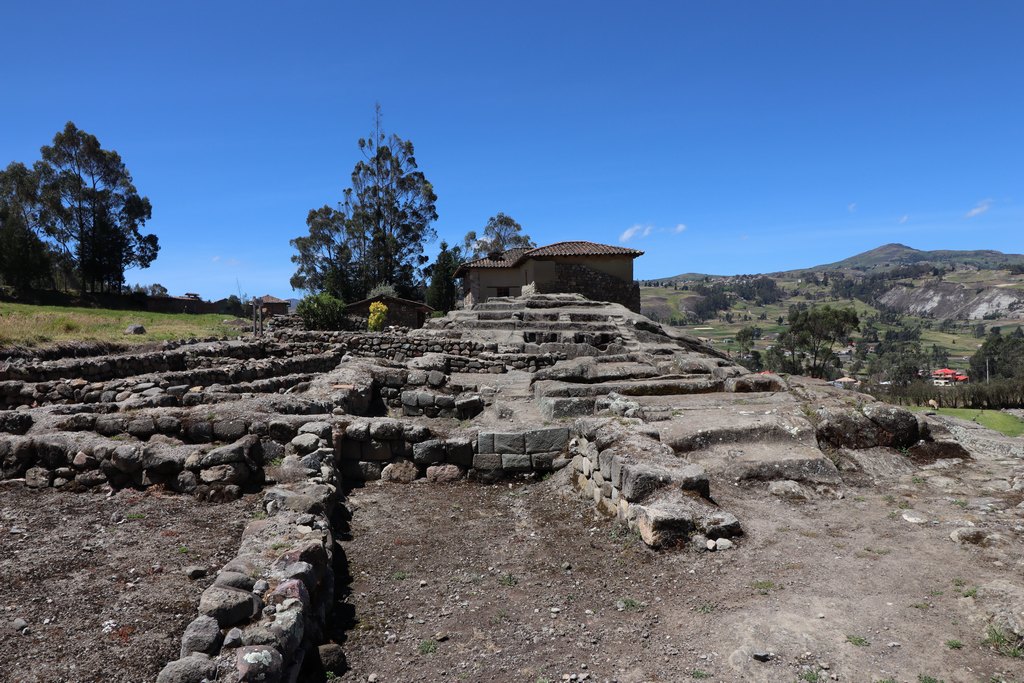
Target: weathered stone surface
[[320, 429], [487, 461], [509, 443], [223, 455], [485, 442], [789, 490], [259, 663], [127, 458], [15, 422], [459, 451], [897, 426], [229, 606], [546, 440], [400, 472], [516, 462], [38, 477], [229, 431], [430, 452], [305, 443], [195, 668], [202, 635], [444, 474]]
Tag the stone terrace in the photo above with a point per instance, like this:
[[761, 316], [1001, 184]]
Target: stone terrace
[[650, 423]]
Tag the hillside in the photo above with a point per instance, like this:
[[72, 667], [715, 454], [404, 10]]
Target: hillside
[[892, 255], [950, 296]]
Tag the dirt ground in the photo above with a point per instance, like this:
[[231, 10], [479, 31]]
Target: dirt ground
[[99, 580], [525, 582]]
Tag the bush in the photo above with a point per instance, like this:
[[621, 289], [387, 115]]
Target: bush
[[321, 312], [378, 312], [385, 289]]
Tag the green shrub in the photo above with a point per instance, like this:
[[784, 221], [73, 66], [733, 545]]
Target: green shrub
[[321, 312]]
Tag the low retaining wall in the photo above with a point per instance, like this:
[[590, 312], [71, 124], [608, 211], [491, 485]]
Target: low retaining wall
[[266, 614]]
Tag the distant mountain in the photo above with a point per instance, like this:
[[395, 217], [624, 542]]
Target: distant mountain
[[892, 255], [886, 257]]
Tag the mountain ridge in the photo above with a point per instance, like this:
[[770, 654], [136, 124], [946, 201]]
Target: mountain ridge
[[886, 256]]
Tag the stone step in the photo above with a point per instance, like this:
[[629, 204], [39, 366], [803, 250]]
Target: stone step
[[704, 428], [767, 461], [649, 387]]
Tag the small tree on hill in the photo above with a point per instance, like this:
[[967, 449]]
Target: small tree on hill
[[501, 233]]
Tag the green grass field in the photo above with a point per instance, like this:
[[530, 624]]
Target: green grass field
[[25, 325], [992, 419]]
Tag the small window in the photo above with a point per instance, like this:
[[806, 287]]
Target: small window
[[502, 291]]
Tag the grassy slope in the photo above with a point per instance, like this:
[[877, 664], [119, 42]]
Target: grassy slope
[[992, 419], [25, 325]]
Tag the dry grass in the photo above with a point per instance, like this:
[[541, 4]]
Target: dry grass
[[25, 325]]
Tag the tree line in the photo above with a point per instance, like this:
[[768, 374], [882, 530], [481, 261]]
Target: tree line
[[374, 238], [73, 220]]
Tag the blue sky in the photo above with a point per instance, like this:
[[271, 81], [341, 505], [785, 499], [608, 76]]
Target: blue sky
[[718, 137]]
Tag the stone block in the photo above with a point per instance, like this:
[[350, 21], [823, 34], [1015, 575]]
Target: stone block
[[516, 462], [557, 408], [510, 443], [546, 440], [485, 443], [229, 606], [543, 462], [229, 431], [487, 461], [358, 431], [430, 452], [202, 635], [378, 451], [459, 451], [386, 429], [321, 429]]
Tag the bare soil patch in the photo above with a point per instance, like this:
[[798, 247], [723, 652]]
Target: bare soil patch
[[99, 580], [526, 583]]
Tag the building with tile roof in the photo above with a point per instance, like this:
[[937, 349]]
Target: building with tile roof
[[600, 272]]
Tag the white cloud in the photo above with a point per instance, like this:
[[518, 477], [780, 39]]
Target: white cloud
[[851, 207], [979, 208], [215, 259], [640, 230], [904, 218], [632, 231]]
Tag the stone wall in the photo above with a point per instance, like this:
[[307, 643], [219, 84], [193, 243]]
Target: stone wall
[[266, 614], [593, 284], [622, 466]]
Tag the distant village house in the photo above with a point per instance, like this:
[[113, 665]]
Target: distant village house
[[600, 272], [401, 312], [945, 377]]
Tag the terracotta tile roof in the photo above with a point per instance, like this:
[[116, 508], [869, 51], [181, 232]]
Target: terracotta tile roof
[[513, 257], [583, 249], [507, 260], [268, 299]]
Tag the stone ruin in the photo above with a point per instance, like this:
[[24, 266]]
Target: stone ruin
[[647, 422]]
